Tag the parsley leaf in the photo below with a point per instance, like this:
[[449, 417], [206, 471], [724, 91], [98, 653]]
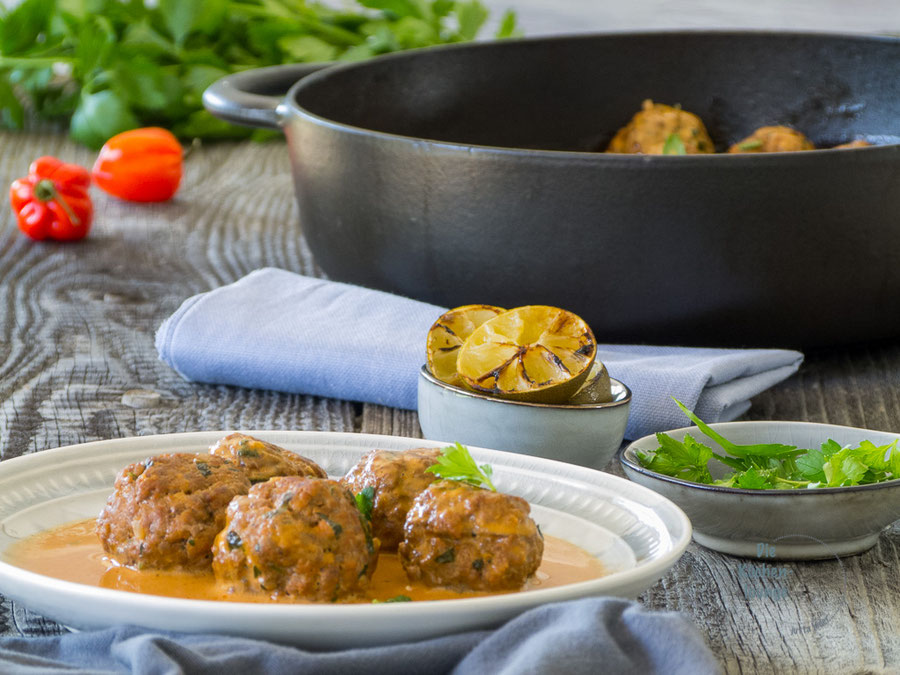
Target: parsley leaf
[[750, 145], [761, 450], [456, 463], [862, 465], [810, 466], [674, 145], [753, 479], [365, 502], [686, 459]]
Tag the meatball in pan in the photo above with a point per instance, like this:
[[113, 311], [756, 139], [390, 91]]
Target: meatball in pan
[[166, 511], [650, 129], [396, 478], [262, 460], [773, 139], [858, 143], [298, 537], [467, 538]]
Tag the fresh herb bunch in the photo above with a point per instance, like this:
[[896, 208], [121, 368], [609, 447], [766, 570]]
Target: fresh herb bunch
[[456, 463], [772, 466], [107, 66]]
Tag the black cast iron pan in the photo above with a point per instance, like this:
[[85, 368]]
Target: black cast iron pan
[[468, 174]]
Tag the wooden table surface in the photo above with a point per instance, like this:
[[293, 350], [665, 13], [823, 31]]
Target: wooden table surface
[[541, 17], [77, 324]]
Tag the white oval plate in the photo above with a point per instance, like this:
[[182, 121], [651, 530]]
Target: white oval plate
[[635, 532]]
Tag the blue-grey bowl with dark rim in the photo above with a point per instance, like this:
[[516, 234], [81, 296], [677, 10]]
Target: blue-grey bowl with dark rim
[[585, 434], [794, 524]]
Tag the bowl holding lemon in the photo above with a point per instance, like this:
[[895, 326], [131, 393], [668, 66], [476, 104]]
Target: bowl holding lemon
[[525, 380]]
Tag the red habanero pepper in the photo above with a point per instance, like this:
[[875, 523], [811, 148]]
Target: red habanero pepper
[[52, 201], [141, 165]]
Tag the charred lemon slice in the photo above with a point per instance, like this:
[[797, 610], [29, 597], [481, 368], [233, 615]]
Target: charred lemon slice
[[535, 353], [447, 335]]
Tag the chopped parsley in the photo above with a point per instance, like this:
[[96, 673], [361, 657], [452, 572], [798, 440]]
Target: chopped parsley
[[233, 539], [335, 527], [750, 145], [674, 145], [447, 556], [365, 502]]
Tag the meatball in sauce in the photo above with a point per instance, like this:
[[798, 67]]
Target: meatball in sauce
[[465, 537], [397, 477], [167, 531], [261, 460], [297, 537], [165, 511]]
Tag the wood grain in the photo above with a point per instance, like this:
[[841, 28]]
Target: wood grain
[[78, 363]]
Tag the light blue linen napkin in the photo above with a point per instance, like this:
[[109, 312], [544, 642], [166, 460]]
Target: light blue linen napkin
[[580, 637], [278, 330]]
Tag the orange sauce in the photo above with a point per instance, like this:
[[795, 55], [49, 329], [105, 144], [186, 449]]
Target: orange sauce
[[72, 552]]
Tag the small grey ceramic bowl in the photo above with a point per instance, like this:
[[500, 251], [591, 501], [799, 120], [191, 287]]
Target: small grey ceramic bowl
[[803, 524], [588, 434]]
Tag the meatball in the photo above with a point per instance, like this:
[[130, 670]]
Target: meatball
[[166, 511], [858, 143], [298, 537], [467, 538], [261, 460], [396, 478], [773, 139], [649, 129]]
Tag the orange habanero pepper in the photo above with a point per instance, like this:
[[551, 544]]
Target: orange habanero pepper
[[141, 165]]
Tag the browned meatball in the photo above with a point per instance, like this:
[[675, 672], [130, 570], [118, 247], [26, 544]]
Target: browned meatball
[[858, 143], [298, 537], [262, 461], [397, 478], [467, 538], [773, 139], [649, 129], [166, 511]]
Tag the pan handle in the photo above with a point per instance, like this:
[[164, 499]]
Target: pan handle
[[253, 98]]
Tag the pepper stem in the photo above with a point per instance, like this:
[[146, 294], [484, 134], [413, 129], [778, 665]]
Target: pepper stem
[[46, 191]]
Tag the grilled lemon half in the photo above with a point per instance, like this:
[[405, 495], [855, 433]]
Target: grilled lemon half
[[535, 353]]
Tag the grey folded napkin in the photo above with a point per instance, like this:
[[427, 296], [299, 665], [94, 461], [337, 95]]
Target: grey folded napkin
[[580, 637], [278, 330]]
